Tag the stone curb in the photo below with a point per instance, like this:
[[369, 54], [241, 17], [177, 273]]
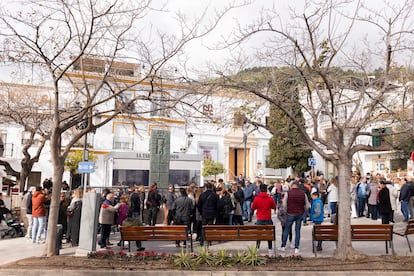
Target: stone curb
[[13, 272]]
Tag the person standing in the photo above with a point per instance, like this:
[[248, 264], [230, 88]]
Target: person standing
[[63, 215], [390, 187], [39, 215], [404, 198], [295, 203], [316, 214], [372, 199], [123, 211], [362, 196], [183, 208], [353, 188], [153, 204], [384, 203], [247, 203], [106, 218], [264, 205], [333, 197], [29, 216], [74, 212], [207, 206], [411, 201], [169, 203]]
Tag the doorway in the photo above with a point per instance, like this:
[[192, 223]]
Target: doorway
[[236, 162]]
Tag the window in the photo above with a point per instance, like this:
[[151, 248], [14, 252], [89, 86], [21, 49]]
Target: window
[[123, 136], [159, 107]]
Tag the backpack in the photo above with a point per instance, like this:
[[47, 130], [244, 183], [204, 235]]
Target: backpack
[[228, 208]]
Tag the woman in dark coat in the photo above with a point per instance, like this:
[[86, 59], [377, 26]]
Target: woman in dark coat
[[74, 217], [384, 203]]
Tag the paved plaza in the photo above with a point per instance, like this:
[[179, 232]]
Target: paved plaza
[[13, 249]]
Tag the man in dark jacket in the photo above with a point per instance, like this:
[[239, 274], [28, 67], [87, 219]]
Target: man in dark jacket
[[29, 212], [405, 198], [207, 206], [153, 204], [295, 203], [183, 208]]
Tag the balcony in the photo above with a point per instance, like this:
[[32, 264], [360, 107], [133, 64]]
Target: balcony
[[123, 143]]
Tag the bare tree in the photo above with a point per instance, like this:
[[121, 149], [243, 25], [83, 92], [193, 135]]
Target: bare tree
[[80, 49], [22, 109], [334, 61]]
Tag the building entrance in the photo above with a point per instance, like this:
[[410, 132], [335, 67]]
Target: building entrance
[[236, 162]]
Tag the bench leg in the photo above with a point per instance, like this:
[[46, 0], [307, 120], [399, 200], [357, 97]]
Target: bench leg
[[313, 247], [408, 242]]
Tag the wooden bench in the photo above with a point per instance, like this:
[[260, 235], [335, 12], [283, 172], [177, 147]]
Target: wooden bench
[[359, 232], [239, 233], [157, 233], [373, 232], [409, 229], [322, 232]]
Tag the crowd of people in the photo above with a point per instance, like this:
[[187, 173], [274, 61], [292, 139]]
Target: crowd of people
[[295, 200]]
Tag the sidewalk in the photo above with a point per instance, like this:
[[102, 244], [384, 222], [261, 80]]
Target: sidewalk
[[13, 249]]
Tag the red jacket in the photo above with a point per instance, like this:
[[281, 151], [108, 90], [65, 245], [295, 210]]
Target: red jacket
[[264, 204], [38, 204]]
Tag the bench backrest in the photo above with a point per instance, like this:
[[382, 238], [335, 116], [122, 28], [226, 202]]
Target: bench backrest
[[239, 232], [325, 232], [161, 233], [372, 232], [410, 227]]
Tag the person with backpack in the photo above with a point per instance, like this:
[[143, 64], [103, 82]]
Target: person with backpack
[[224, 207]]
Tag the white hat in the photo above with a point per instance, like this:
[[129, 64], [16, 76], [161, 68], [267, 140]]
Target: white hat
[[32, 189]]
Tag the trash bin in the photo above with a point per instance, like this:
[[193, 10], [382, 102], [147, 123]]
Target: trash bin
[[59, 238]]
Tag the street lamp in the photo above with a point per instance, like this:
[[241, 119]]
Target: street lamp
[[188, 141], [83, 125]]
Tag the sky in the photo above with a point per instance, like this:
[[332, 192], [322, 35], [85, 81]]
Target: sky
[[200, 53]]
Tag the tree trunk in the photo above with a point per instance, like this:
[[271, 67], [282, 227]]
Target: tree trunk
[[24, 174], [344, 250], [58, 169]]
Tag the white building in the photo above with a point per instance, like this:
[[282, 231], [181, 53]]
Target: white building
[[350, 108], [200, 128]]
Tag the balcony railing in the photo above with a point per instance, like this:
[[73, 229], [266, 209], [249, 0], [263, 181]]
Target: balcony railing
[[123, 143]]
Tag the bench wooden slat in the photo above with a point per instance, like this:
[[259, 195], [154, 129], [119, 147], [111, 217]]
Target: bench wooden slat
[[239, 233], [359, 232], [156, 233]]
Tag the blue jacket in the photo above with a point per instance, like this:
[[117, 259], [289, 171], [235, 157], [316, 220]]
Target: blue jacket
[[248, 192], [316, 213]]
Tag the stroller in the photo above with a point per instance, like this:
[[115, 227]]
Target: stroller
[[10, 226]]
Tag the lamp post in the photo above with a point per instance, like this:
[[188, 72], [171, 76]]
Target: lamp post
[[85, 157], [245, 133]]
